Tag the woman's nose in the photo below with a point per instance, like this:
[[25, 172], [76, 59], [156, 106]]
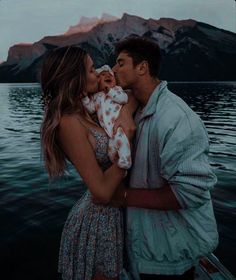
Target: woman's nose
[[114, 68], [98, 77]]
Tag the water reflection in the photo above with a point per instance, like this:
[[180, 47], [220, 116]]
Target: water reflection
[[216, 105], [33, 212]]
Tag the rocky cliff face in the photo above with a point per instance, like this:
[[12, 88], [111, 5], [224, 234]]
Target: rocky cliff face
[[86, 24], [191, 50]]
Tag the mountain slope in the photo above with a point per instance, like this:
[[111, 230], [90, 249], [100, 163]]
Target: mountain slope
[[191, 50]]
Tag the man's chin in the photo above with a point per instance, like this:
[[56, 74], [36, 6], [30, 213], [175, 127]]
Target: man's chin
[[118, 83], [124, 86]]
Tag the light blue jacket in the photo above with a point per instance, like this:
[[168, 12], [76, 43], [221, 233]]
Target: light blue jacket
[[171, 145]]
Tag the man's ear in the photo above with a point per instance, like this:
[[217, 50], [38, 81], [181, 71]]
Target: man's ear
[[143, 68]]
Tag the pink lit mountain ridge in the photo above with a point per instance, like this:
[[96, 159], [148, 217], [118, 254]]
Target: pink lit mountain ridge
[[191, 50]]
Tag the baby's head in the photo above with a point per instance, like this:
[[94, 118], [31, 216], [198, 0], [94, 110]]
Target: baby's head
[[106, 78]]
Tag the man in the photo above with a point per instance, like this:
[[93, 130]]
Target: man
[[170, 219]]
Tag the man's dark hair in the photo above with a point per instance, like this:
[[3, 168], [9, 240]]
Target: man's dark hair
[[140, 48]]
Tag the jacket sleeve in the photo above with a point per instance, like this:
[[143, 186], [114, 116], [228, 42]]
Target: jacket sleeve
[[184, 162]]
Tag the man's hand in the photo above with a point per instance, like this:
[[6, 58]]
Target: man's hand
[[125, 120], [118, 198]]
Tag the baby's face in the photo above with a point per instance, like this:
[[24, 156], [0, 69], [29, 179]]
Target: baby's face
[[106, 81]]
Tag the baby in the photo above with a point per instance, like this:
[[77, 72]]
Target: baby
[[107, 103]]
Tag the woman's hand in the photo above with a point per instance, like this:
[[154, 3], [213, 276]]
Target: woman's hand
[[117, 200], [125, 120]]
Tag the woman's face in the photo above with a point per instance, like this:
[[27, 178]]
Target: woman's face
[[91, 77]]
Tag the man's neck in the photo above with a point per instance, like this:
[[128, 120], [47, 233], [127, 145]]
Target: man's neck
[[144, 89]]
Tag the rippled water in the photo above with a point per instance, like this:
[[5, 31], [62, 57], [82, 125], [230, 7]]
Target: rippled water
[[33, 212]]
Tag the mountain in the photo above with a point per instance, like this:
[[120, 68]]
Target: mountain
[[192, 51], [86, 24]]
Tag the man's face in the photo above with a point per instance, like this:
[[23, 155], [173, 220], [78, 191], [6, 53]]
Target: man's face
[[125, 71]]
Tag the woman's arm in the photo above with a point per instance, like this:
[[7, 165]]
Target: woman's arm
[[75, 144]]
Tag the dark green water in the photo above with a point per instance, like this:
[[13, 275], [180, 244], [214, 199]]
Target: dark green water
[[33, 213]]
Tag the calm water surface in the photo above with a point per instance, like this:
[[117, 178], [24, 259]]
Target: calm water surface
[[33, 211]]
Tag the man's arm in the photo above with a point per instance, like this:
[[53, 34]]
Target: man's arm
[[185, 168], [160, 199]]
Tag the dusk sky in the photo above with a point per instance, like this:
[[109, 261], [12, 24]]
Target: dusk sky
[[30, 20]]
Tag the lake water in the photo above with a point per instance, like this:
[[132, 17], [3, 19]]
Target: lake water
[[33, 212]]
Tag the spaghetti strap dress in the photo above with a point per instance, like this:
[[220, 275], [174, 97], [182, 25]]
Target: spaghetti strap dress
[[92, 237]]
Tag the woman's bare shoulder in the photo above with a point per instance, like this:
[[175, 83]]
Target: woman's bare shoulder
[[72, 123]]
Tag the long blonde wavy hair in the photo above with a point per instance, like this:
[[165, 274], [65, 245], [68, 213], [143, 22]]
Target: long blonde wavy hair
[[63, 81]]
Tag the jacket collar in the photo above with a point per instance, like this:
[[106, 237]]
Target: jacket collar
[[150, 107]]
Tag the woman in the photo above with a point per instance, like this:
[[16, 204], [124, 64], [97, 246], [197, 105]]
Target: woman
[[92, 238]]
